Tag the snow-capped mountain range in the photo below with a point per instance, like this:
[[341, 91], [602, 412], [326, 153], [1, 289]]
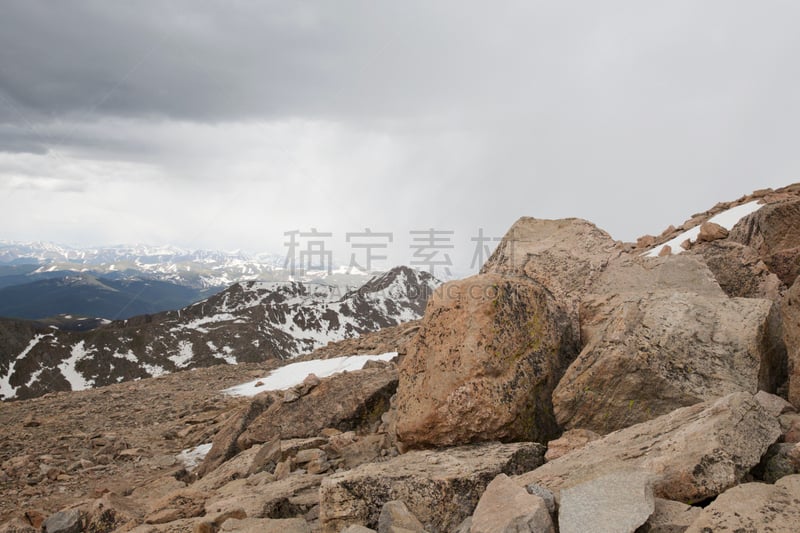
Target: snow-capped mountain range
[[248, 322], [199, 269]]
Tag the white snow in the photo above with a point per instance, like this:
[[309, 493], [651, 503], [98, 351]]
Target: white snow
[[727, 219], [184, 355], [129, 355], [67, 367], [154, 370], [198, 323], [6, 390], [34, 377], [294, 374], [191, 457], [226, 355]]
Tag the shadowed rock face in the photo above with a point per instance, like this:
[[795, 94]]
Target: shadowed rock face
[[248, 322], [790, 312], [440, 488], [347, 401], [489, 352], [774, 232]]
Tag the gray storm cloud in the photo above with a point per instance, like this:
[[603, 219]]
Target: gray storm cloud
[[224, 124]]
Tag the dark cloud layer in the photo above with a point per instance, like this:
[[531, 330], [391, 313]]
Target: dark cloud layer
[[630, 114]]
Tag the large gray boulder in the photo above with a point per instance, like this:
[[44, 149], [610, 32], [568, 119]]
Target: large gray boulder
[[618, 502], [505, 507], [695, 452], [484, 364], [441, 488], [647, 354], [63, 522]]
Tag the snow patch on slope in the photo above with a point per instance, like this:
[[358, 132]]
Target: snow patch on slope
[[198, 323], [191, 457], [727, 219], [184, 355], [294, 374], [6, 390], [70, 373]]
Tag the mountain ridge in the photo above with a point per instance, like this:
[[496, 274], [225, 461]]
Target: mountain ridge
[[248, 322]]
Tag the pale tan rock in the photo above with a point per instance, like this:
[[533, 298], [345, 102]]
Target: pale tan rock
[[111, 512], [564, 256], [774, 405], [483, 365], [669, 230], [676, 273], [267, 525], [18, 525], [396, 518], [318, 465], [619, 501], [283, 469], [790, 426], [441, 488], [242, 465], [648, 354], [505, 506], [359, 450], [183, 503], [355, 528], [211, 523], [225, 443], [670, 517], [265, 500], [645, 241], [696, 452], [710, 231], [753, 507], [572, 439], [310, 454], [665, 251]]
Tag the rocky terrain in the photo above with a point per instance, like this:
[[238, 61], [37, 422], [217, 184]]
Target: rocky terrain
[[248, 322], [576, 384]]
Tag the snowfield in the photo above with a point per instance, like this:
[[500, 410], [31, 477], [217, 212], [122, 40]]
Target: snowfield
[[727, 219], [294, 374], [191, 457]]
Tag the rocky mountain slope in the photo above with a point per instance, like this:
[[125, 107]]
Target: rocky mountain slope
[[248, 322], [576, 384]]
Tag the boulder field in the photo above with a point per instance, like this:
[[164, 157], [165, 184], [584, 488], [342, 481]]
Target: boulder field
[[576, 384]]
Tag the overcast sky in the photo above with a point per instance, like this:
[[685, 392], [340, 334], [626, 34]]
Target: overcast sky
[[225, 124]]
